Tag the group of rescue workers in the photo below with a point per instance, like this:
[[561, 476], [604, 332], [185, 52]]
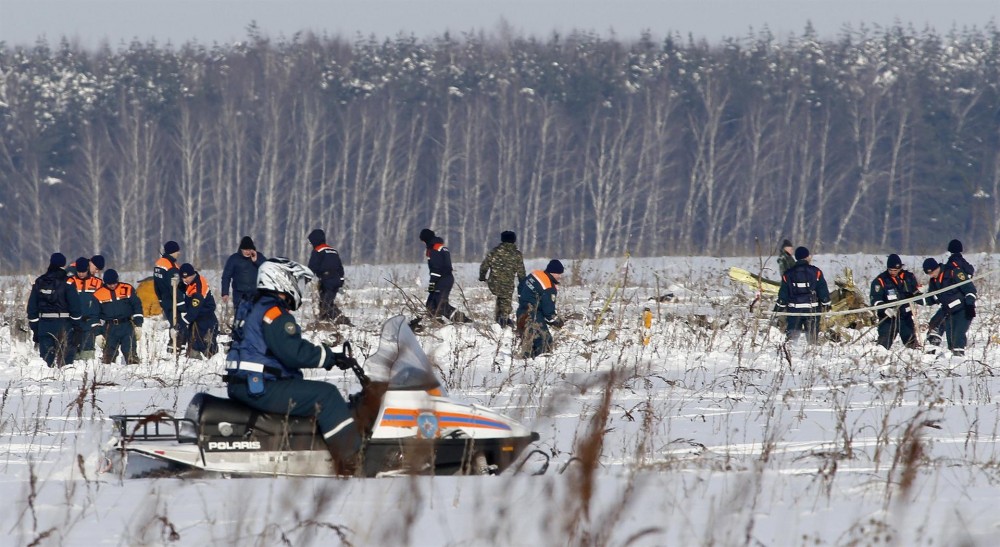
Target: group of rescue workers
[[75, 311], [804, 298], [72, 313]]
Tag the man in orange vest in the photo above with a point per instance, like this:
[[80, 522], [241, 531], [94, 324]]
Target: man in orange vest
[[198, 322], [894, 284], [121, 317], [536, 309], [86, 285], [168, 290]]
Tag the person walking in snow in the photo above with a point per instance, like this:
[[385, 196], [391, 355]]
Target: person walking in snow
[[442, 279], [240, 272], [894, 284], [325, 263], [803, 290], [536, 309], [958, 304], [120, 319], [502, 270]]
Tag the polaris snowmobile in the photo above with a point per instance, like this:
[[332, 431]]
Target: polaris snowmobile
[[419, 429]]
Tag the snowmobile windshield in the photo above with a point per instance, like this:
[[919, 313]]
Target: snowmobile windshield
[[401, 361]]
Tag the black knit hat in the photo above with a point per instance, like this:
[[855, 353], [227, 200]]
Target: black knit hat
[[508, 237], [97, 261], [247, 243], [82, 264], [186, 270], [785, 244], [893, 261], [317, 237], [801, 253], [954, 246], [171, 247], [111, 276], [930, 265], [426, 235], [58, 260], [554, 267]]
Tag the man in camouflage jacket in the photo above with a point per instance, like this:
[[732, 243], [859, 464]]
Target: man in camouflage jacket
[[502, 270]]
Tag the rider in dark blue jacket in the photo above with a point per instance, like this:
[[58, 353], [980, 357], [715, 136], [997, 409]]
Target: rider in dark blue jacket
[[268, 353]]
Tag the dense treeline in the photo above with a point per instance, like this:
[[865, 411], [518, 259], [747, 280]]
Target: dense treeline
[[883, 140]]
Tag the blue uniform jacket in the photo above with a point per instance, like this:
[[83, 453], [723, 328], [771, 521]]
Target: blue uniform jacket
[[439, 264], [324, 261], [121, 305], [803, 288], [537, 294], [955, 299], [199, 304], [959, 261], [53, 298], [887, 288], [267, 333]]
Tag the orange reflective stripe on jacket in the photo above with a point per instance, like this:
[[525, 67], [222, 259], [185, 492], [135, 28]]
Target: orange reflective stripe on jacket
[[542, 278], [121, 292], [272, 314], [89, 284], [192, 288], [165, 263]]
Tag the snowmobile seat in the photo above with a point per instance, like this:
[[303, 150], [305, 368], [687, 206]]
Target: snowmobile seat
[[223, 417]]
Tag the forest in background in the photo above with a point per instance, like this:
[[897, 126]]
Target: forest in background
[[882, 140]]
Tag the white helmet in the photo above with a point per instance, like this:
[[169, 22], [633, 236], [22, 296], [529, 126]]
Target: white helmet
[[282, 275]]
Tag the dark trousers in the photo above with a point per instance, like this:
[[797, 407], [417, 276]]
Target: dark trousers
[[88, 335], [299, 397], [55, 341], [437, 301], [120, 336], [536, 338], [327, 309], [955, 327], [797, 324], [889, 327]]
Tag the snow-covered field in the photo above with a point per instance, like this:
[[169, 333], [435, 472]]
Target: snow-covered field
[[715, 433]]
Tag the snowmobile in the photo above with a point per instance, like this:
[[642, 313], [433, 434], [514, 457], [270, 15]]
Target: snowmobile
[[419, 429]]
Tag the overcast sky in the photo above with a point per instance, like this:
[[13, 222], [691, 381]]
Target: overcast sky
[[89, 22]]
